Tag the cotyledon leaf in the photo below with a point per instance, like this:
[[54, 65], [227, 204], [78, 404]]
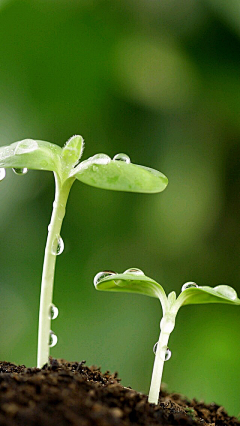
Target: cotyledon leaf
[[119, 175], [131, 283], [32, 154], [145, 285], [205, 294]]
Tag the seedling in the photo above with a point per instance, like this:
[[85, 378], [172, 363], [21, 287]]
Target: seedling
[[100, 171], [134, 281]]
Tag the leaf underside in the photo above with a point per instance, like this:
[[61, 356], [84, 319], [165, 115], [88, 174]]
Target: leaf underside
[[119, 176]]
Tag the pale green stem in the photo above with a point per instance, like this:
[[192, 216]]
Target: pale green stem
[[158, 368], [58, 213]]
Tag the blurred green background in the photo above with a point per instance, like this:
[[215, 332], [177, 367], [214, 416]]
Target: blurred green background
[[160, 81]]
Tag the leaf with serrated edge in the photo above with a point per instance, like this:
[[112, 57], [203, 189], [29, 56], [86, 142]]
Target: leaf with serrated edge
[[131, 283], [32, 154], [120, 176]]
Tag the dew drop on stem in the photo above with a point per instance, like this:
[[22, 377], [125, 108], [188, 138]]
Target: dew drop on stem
[[134, 271], [20, 172], [122, 157], [166, 352], [53, 312], [155, 348], [58, 246], [52, 339], [101, 275], [2, 173], [189, 284]]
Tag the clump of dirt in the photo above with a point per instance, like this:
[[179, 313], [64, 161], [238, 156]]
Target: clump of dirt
[[72, 394]]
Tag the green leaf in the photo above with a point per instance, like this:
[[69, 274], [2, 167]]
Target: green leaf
[[72, 151], [133, 283], [102, 172], [205, 294], [31, 154]]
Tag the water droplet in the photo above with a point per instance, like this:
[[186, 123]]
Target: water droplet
[[58, 246], [122, 157], [100, 159], [226, 291], [168, 354], [53, 312], [20, 171], [2, 173], [134, 271], [52, 339], [98, 277], [189, 284], [155, 348], [25, 146]]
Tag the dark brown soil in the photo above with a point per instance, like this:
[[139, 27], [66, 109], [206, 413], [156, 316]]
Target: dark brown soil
[[66, 394]]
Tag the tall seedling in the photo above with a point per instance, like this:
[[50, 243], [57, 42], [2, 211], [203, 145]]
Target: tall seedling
[[100, 171]]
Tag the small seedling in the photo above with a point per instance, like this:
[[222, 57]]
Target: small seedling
[[134, 281], [100, 171]]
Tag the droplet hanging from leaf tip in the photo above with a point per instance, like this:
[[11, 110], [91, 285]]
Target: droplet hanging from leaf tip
[[19, 171], [101, 275], [189, 284], [122, 157]]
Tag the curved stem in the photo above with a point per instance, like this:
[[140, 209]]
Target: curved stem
[[58, 213]]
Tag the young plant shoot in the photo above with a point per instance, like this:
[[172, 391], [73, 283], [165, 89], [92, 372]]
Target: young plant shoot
[[134, 281], [100, 171]]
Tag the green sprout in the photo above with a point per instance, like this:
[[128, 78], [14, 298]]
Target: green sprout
[[99, 171], [134, 281]]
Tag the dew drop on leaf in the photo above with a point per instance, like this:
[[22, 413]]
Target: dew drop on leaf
[[189, 284], [53, 312], [20, 172], [100, 159], [58, 246], [52, 339], [2, 173], [226, 291], [134, 271], [122, 157], [101, 275], [25, 146]]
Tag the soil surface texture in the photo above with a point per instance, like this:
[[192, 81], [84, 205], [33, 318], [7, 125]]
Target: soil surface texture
[[71, 394]]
